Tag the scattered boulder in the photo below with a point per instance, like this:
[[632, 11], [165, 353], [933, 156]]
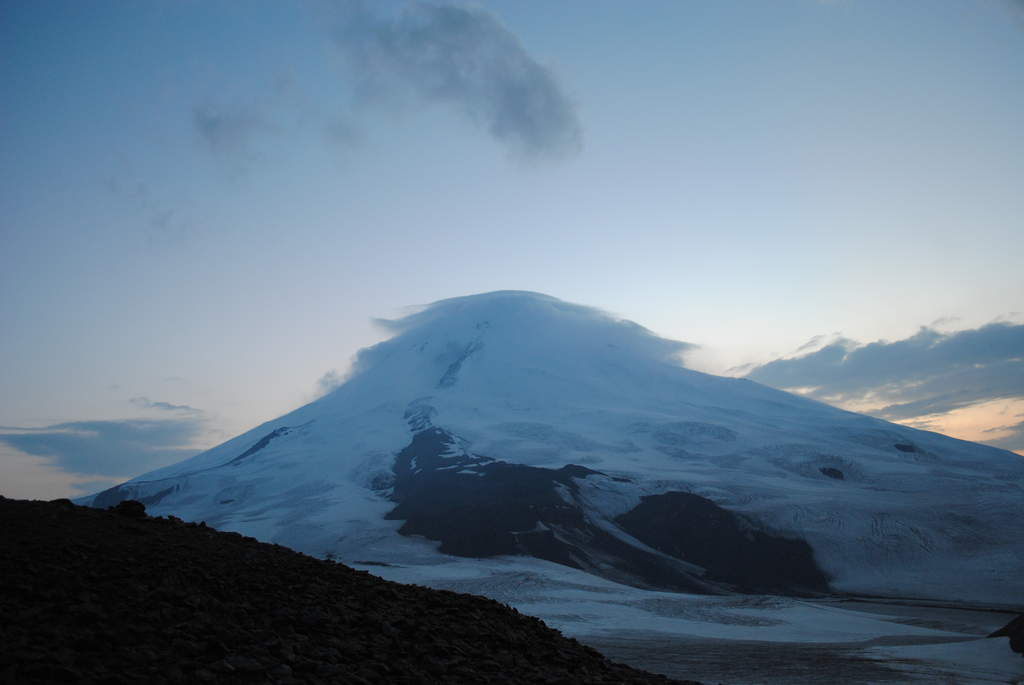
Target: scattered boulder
[[130, 508]]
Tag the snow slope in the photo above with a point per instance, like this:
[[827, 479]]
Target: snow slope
[[515, 379]]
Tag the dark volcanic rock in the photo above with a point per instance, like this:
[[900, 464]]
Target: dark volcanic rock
[[477, 506], [697, 530], [91, 596], [1015, 631], [131, 508]]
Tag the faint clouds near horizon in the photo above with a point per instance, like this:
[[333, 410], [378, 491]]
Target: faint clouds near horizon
[[968, 383], [88, 455], [144, 402], [107, 449]]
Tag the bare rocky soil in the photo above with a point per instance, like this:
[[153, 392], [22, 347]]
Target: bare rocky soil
[[114, 597]]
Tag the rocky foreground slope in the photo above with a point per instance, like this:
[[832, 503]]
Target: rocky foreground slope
[[118, 597]]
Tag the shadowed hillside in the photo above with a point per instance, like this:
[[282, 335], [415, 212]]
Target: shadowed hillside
[[117, 597]]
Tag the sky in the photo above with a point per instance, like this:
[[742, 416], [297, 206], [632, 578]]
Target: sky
[[205, 204]]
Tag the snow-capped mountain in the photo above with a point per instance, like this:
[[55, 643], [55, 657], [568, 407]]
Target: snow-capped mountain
[[513, 423]]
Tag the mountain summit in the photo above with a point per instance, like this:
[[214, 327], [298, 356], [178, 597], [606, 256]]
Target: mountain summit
[[513, 423]]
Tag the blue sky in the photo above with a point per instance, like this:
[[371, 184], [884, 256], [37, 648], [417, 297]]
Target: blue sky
[[204, 204]]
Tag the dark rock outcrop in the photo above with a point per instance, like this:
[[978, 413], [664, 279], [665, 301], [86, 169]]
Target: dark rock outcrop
[[696, 530], [477, 506], [130, 508], [832, 473], [1015, 631], [116, 597]]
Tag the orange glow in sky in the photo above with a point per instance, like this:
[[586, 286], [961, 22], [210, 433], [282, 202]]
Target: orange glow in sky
[[980, 422]]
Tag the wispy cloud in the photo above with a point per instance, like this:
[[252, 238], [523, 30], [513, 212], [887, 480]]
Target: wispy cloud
[[465, 57], [108, 448], [167, 225], [143, 402], [986, 361], [329, 382], [1016, 8], [927, 374], [226, 131], [1014, 440]]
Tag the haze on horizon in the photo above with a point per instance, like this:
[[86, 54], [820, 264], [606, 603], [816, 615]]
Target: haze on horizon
[[205, 209]]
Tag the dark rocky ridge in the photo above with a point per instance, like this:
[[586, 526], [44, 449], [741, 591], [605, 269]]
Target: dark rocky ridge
[[477, 506], [117, 597], [481, 507], [693, 528]]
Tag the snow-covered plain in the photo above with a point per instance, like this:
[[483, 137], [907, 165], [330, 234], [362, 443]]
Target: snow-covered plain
[[528, 379], [742, 639]]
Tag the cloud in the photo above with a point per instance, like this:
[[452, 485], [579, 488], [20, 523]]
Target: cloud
[[343, 132], [143, 402], [846, 367], [812, 343], [329, 382], [1016, 7], [929, 373], [558, 323], [167, 225], [1014, 441], [108, 448], [955, 389], [225, 130], [464, 57]]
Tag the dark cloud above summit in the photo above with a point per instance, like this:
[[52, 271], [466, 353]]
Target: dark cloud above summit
[[462, 56], [111, 448]]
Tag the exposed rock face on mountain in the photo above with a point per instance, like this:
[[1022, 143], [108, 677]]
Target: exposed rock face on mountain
[[515, 423], [116, 597], [695, 545], [1015, 631]]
